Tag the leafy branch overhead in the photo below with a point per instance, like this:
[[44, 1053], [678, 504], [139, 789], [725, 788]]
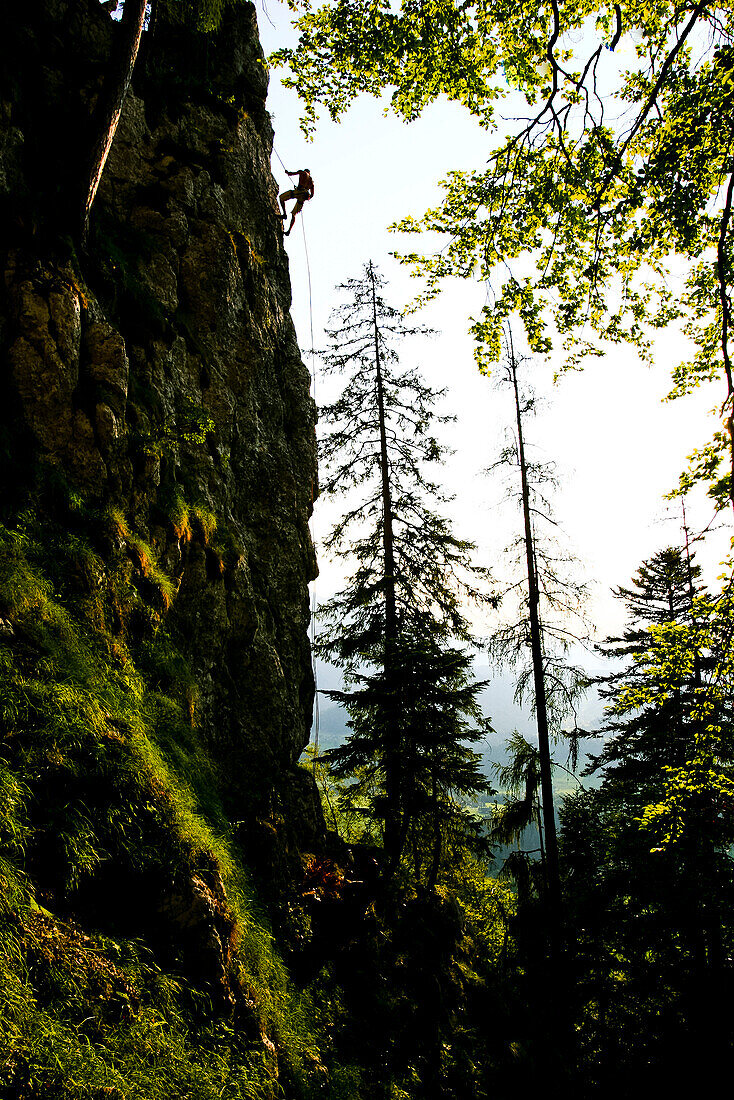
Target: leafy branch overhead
[[613, 159]]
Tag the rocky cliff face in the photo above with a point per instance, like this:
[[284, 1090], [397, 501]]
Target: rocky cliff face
[[158, 473], [161, 372]]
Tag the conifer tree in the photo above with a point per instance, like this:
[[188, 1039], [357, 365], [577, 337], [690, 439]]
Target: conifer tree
[[647, 852], [519, 780], [437, 719], [395, 628], [641, 741], [536, 642], [667, 766], [651, 730]]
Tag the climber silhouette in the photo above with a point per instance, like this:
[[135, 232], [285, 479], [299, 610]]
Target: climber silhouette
[[302, 192]]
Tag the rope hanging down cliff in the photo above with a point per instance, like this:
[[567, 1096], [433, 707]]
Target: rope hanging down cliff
[[314, 604]]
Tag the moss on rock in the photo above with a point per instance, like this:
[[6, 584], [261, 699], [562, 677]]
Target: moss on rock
[[157, 454]]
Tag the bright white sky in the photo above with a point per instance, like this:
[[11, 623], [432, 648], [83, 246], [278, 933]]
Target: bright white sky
[[617, 446]]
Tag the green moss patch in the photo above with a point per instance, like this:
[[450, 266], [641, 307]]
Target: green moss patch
[[113, 840]]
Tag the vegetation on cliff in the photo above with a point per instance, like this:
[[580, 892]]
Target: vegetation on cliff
[[186, 910], [154, 558], [115, 840]]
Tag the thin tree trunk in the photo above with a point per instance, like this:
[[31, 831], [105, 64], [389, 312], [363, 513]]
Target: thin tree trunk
[[106, 114], [697, 678], [541, 838], [393, 831], [541, 713], [712, 917], [721, 266]]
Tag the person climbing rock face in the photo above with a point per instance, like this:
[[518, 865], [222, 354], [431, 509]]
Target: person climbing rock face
[[302, 192]]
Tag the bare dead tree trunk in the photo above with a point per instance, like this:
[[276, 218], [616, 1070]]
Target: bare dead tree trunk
[[106, 114], [553, 881]]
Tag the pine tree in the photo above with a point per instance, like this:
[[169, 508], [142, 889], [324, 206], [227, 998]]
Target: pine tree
[[662, 589], [519, 780], [641, 741], [438, 718], [395, 628], [646, 854]]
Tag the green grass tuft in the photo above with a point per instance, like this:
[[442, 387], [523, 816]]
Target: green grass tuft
[[104, 769]]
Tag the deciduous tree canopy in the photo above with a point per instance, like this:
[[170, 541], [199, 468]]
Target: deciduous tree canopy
[[623, 162]]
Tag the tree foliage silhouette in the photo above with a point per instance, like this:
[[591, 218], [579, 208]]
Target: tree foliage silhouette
[[619, 158], [401, 616], [647, 851]]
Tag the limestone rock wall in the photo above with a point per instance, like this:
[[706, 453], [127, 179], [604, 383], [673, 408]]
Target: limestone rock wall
[[159, 371]]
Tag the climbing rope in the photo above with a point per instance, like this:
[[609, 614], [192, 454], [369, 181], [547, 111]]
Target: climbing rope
[[310, 307], [281, 162], [314, 604]]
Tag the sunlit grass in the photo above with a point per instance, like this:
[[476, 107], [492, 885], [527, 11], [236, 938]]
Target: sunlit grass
[[106, 767]]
